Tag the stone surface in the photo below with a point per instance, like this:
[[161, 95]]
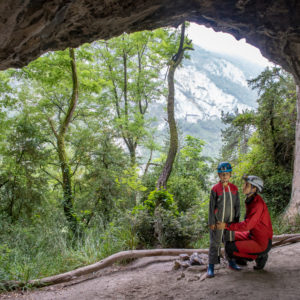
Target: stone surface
[[29, 28]]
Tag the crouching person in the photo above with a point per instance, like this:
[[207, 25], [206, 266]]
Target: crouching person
[[253, 236]]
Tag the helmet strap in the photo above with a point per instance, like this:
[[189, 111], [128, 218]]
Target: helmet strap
[[251, 192]]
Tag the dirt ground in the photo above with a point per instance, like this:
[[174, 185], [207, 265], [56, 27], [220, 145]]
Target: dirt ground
[[155, 278]]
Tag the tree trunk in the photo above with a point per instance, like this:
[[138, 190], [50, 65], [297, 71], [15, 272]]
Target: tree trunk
[[61, 150], [68, 202], [165, 174], [293, 210], [132, 151], [167, 169]]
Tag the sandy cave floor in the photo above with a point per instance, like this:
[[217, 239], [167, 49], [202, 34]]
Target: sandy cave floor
[[155, 278]]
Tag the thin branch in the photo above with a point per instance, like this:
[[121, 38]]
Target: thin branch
[[52, 176], [74, 98], [2, 184], [52, 127], [76, 168]]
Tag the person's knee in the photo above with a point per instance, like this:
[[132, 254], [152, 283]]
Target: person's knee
[[230, 248]]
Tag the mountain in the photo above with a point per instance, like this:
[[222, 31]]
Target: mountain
[[207, 84]]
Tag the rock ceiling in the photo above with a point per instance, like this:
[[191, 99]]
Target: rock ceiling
[[29, 28]]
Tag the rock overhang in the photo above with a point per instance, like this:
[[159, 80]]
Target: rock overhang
[[29, 28]]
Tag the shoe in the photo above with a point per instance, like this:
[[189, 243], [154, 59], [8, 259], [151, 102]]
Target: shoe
[[210, 270], [241, 261], [261, 262], [233, 266]]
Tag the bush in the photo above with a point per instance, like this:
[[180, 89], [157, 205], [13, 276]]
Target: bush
[[160, 198], [277, 190], [185, 191], [164, 225], [144, 228], [180, 231]]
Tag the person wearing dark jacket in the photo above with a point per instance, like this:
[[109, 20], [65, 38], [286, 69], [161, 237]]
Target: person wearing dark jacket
[[224, 206], [253, 236]]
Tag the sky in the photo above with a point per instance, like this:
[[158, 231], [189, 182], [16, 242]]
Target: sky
[[221, 42]]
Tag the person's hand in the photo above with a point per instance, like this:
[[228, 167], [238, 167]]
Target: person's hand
[[212, 227], [220, 225]]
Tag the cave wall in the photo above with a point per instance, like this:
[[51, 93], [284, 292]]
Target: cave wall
[[29, 28]]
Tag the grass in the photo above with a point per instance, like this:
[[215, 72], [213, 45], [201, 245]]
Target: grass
[[31, 252], [39, 251]]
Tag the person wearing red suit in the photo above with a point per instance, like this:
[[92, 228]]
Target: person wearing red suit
[[253, 236]]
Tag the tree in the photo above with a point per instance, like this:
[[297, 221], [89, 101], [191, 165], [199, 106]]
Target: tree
[[131, 68], [189, 179], [60, 136], [51, 102], [270, 149], [23, 183], [236, 135], [276, 101], [173, 64]]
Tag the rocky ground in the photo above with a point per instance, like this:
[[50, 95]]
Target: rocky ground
[[155, 278]]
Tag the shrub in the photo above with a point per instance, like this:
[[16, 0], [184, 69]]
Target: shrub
[[180, 231], [160, 198], [185, 190], [174, 229]]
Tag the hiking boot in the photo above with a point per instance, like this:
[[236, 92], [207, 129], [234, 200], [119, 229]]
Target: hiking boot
[[233, 266], [210, 270], [261, 262], [241, 261]]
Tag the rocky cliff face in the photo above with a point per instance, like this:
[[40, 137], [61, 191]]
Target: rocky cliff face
[[207, 84], [29, 28]]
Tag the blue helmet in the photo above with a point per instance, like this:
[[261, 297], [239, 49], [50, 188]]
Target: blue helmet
[[224, 167]]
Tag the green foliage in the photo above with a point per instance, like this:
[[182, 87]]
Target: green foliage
[[130, 66], [22, 156], [143, 224], [29, 251], [180, 231], [130, 180], [188, 228], [236, 135], [269, 152], [177, 229], [189, 178], [280, 226], [186, 191], [161, 198]]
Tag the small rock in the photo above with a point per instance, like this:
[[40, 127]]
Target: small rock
[[195, 259], [184, 256], [186, 264], [177, 265]]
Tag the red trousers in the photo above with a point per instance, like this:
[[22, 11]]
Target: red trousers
[[247, 247]]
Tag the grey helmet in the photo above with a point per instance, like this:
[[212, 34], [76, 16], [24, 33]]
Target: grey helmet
[[255, 181]]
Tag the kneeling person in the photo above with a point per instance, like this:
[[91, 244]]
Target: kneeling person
[[253, 236]]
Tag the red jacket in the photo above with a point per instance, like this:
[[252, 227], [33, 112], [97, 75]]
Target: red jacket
[[257, 220]]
